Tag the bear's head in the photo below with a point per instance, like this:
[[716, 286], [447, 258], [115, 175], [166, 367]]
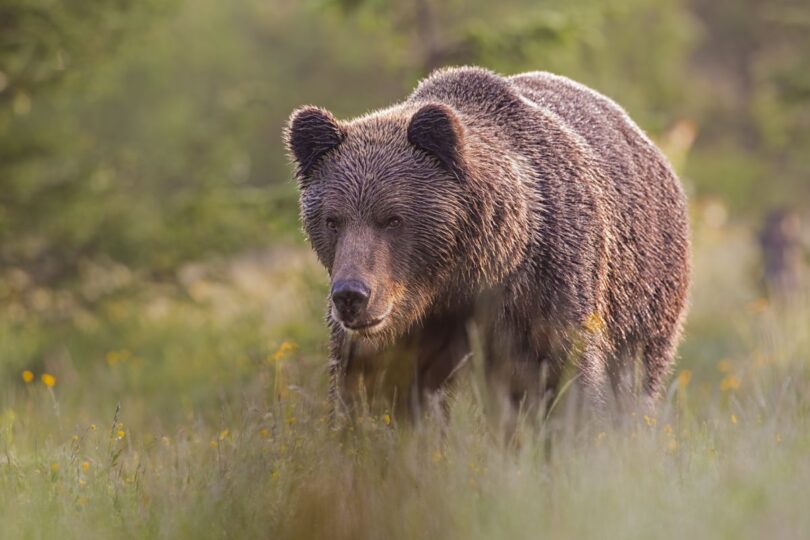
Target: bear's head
[[385, 205]]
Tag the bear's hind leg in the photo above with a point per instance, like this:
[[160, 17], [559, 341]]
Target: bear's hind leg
[[592, 368], [659, 358]]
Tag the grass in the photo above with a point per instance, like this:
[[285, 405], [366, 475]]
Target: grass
[[197, 410]]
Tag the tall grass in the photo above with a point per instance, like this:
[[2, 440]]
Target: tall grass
[[198, 411]]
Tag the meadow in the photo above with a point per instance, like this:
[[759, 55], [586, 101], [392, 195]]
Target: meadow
[[198, 410], [162, 339]]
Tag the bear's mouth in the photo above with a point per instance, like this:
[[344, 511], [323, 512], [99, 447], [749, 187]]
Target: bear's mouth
[[367, 326]]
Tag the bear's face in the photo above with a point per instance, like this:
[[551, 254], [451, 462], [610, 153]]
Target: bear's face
[[383, 205]]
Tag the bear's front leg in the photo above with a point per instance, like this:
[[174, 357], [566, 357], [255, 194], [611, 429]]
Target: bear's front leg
[[406, 377], [443, 350]]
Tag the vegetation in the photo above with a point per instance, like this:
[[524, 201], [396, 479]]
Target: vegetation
[[162, 350]]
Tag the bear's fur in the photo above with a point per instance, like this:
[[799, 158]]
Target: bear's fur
[[529, 209]]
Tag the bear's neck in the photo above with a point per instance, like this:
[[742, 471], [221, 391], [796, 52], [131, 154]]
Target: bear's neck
[[500, 217]]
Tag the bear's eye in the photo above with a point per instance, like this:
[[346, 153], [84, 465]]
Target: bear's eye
[[393, 222], [332, 224]]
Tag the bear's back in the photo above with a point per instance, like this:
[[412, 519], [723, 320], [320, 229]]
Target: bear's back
[[481, 95], [488, 99], [622, 147], [643, 186]]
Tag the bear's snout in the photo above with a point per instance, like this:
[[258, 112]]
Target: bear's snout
[[351, 306], [350, 298]]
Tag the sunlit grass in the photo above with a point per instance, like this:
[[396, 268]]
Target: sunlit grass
[[199, 411]]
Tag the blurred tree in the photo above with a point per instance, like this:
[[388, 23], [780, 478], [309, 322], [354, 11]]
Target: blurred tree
[[753, 69], [163, 143], [782, 256], [593, 41], [41, 41], [42, 44], [149, 134]]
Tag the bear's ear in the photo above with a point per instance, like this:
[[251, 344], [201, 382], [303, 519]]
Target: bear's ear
[[311, 132], [436, 129]]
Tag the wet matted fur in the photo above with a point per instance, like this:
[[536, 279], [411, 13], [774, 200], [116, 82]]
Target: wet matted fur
[[530, 207]]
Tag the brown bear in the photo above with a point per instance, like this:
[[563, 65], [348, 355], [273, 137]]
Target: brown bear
[[529, 210]]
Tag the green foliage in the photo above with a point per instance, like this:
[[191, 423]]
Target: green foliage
[[150, 135], [150, 258], [166, 150], [752, 69]]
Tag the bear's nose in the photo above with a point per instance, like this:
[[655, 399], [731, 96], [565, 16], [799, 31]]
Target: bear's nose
[[350, 298]]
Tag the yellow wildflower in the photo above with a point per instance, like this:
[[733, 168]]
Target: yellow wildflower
[[733, 419], [27, 376], [284, 350], [594, 323], [386, 419], [49, 380], [683, 379], [725, 366], [121, 434], [86, 466], [650, 420], [54, 467], [223, 434], [730, 382]]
